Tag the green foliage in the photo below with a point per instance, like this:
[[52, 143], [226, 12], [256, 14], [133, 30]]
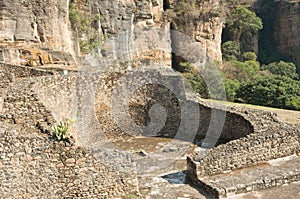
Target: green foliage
[[197, 83], [91, 43], [274, 91], [185, 67], [231, 87], [287, 69], [61, 130], [243, 20], [206, 81], [83, 23], [230, 50], [293, 103], [247, 56], [243, 79], [245, 70]]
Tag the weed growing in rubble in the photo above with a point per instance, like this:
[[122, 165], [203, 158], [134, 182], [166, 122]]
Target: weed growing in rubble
[[61, 130]]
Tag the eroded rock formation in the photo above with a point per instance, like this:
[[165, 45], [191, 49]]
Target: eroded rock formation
[[286, 26], [36, 32], [45, 27]]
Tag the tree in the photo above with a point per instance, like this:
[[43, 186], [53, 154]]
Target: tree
[[247, 56], [245, 71], [287, 69], [231, 87], [243, 20], [230, 50], [275, 91]]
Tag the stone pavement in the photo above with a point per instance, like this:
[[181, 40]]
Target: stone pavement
[[291, 191]]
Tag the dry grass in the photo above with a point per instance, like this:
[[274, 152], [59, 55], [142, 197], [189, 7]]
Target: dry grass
[[289, 116]]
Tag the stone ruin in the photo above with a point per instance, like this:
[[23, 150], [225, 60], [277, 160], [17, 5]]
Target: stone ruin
[[34, 165]]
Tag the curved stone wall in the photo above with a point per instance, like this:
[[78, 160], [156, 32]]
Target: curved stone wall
[[271, 139]]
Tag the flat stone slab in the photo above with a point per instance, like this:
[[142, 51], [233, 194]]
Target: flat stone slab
[[291, 191], [270, 174]]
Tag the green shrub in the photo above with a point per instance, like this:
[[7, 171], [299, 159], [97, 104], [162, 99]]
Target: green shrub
[[287, 69], [248, 56], [275, 91], [85, 25], [293, 103], [197, 83], [245, 70], [231, 87], [230, 50], [186, 67]]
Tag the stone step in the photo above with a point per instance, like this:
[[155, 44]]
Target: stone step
[[273, 173]]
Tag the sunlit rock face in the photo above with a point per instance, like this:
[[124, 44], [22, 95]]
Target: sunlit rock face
[[36, 32]]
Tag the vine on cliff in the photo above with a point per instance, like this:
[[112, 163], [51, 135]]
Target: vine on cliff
[[85, 24]]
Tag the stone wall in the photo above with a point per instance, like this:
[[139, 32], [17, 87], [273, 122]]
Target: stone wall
[[271, 139], [92, 96], [169, 92], [255, 178], [32, 105], [16, 72], [34, 165], [10, 73]]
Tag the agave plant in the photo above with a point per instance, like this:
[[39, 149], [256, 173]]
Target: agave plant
[[61, 129]]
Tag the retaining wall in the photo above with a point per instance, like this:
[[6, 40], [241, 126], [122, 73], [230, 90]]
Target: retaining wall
[[271, 139], [34, 165]]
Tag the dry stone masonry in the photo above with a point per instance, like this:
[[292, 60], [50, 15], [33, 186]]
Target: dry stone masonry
[[270, 139], [34, 165], [34, 100]]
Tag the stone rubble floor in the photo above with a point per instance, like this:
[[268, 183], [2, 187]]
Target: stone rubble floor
[[273, 173], [161, 166], [162, 175]]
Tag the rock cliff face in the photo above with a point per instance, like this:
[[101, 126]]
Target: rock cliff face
[[286, 33], [137, 28], [136, 20], [35, 32], [202, 21], [39, 32]]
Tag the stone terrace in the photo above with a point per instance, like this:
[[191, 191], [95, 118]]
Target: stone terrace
[[271, 139], [270, 174], [30, 155]]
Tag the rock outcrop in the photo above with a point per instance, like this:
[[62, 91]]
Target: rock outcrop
[[134, 32], [36, 32], [144, 30], [286, 33], [203, 21]]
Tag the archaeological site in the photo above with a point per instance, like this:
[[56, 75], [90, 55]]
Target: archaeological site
[[150, 99]]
